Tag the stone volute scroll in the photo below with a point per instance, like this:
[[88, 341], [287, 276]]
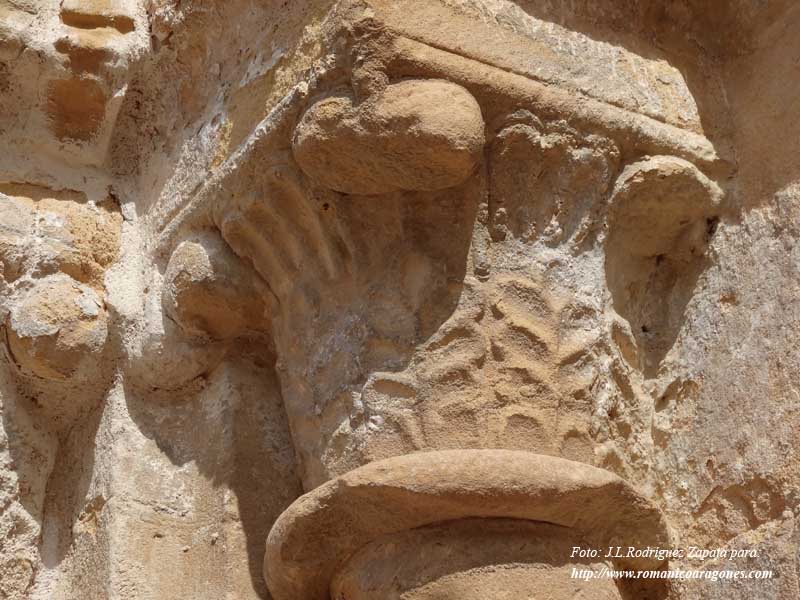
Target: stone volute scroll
[[663, 213]]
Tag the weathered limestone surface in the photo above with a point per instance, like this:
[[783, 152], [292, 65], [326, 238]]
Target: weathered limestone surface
[[361, 299], [413, 491]]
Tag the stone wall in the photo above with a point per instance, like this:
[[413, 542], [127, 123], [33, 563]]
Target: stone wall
[[367, 299]]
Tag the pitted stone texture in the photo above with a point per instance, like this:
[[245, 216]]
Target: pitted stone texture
[[57, 328], [16, 225], [413, 135], [46, 231]]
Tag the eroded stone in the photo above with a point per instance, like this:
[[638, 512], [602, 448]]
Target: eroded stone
[[474, 559], [56, 328], [313, 539], [413, 135], [209, 292], [585, 247]]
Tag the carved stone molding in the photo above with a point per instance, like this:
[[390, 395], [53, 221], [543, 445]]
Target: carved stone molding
[[440, 288], [313, 540]]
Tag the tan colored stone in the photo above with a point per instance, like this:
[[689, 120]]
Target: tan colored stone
[[87, 50], [209, 292], [57, 327], [16, 225], [76, 108], [664, 212], [585, 246], [412, 135], [657, 201], [312, 539], [473, 559], [46, 230], [93, 14]]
